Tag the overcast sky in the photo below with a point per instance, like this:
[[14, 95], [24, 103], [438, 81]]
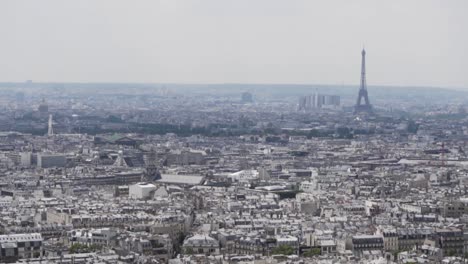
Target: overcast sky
[[408, 42]]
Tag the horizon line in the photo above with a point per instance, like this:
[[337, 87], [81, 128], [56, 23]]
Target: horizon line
[[238, 83]]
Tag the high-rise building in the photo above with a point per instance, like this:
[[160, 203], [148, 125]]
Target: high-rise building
[[360, 106], [316, 101], [26, 159]]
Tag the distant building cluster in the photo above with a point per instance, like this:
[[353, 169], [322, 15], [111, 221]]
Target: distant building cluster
[[317, 101]]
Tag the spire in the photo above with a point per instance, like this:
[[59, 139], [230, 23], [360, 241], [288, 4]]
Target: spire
[[363, 70], [366, 107]]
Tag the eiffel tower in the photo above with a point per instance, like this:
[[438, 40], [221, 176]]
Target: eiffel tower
[[366, 107]]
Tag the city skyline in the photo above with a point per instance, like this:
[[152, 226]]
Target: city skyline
[[233, 132]]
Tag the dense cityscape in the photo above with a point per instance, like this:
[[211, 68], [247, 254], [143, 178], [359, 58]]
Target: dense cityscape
[[162, 174], [233, 132]]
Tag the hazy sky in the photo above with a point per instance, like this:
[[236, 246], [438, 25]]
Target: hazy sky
[[408, 42]]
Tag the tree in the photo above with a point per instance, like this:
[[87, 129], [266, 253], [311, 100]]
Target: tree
[[83, 248], [451, 252], [312, 252], [344, 132], [188, 251], [283, 250], [180, 240]]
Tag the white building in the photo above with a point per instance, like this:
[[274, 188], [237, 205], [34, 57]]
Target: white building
[[142, 190], [102, 236], [26, 159], [309, 186], [244, 175]]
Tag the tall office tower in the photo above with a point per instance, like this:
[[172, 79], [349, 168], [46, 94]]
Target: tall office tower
[[366, 107], [50, 130], [317, 100], [308, 102]]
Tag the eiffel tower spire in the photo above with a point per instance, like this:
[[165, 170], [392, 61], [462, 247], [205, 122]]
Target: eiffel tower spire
[[363, 106]]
